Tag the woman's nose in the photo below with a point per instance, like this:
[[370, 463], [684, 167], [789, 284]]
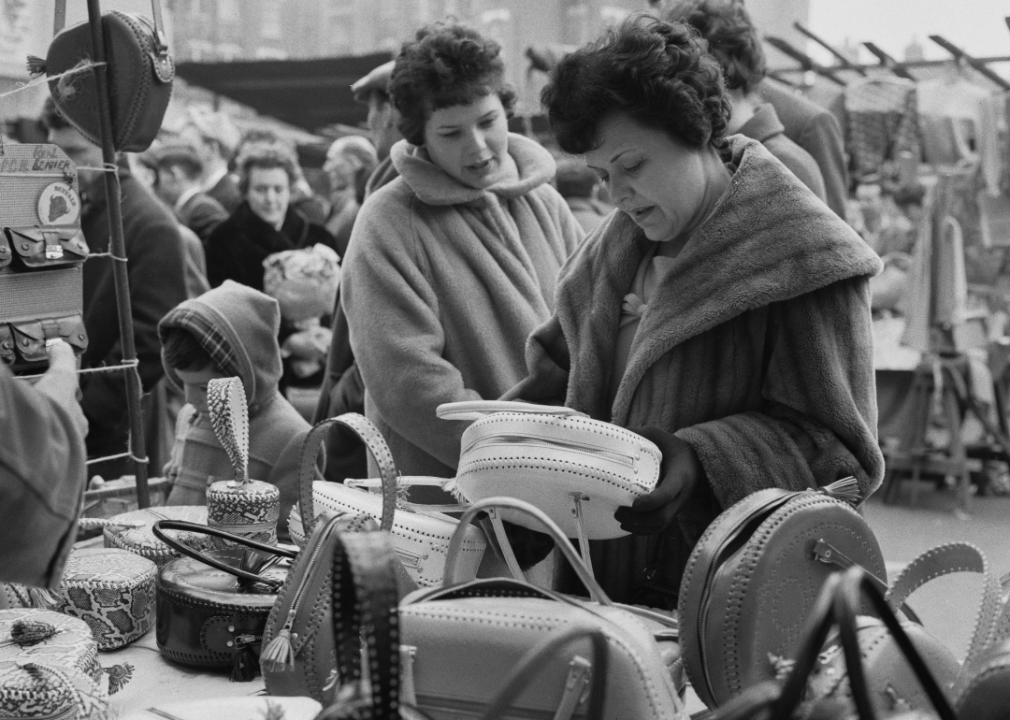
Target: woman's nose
[[477, 141]]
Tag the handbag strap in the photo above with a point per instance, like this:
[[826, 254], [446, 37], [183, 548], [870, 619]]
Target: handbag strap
[[539, 657], [229, 418], [60, 16], [944, 560], [505, 503], [159, 532], [60, 21], [475, 409], [365, 608], [377, 447]]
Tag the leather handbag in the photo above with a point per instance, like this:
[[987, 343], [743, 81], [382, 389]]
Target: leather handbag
[[838, 604], [30, 340], [112, 591], [249, 508], [420, 533], [214, 616], [751, 581], [140, 72], [483, 630], [576, 469], [891, 684]]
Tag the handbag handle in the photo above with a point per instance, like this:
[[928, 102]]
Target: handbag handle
[[60, 20], [469, 410], [838, 604], [377, 447], [749, 703], [364, 595], [563, 543], [159, 532], [537, 658], [944, 560]]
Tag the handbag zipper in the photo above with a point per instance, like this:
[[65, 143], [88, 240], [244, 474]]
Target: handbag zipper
[[280, 652], [573, 446]]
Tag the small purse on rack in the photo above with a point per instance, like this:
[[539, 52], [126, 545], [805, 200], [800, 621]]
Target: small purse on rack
[[244, 507], [751, 581], [484, 630], [214, 616], [421, 533], [140, 73]]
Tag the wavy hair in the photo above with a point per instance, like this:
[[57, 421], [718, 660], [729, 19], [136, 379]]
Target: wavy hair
[[265, 155], [659, 74], [445, 64], [732, 39]]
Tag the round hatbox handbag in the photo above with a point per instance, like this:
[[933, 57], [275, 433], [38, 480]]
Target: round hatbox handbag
[[212, 606], [752, 579], [576, 469]]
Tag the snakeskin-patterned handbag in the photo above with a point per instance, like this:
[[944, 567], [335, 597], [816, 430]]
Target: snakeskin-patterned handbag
[[112, 591], [132, 531], [67, 641], [244, 507]]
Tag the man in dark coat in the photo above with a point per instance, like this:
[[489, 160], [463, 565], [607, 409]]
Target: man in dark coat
[[177, 182], [216, 139], [155, 262], [343, 389]]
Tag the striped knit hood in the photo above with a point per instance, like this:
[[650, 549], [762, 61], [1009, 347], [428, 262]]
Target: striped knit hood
[[768, 239]]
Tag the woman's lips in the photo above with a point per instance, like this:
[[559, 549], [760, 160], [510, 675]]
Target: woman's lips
[[642, 213]]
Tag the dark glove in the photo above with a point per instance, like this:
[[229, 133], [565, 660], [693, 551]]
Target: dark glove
[[530, 546], [679, 472]]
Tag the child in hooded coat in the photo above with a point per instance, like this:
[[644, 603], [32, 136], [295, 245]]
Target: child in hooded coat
[[235, 329]]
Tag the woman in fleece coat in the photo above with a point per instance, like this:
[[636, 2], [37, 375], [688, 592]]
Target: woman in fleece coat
[[722, 311], [453, 264]]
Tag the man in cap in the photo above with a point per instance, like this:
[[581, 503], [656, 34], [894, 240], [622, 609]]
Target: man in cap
[[215, 138], [177, 181], [373, 90], [343, 389]]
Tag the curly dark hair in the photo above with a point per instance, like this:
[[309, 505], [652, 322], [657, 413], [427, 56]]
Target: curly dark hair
[[732, 38], [265, 155], [657, 73], [445, 64]]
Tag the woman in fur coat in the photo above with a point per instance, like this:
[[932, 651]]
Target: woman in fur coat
[[454, 263], [721, 311]]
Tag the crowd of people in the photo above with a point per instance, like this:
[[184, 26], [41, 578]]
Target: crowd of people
[[693, 281]]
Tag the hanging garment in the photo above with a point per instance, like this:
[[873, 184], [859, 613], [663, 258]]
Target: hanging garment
[[960, 122], [883, 121]]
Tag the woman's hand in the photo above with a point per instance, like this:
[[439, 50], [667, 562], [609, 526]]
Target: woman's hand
[[679, 471]]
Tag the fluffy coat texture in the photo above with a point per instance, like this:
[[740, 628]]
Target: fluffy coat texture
[[42, 480], [817, 131], [246, 323], [765, 127], [157, 277], [756, 349], [441, 285]]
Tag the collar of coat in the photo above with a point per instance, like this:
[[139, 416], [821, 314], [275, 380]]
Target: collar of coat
[[768, 239], [433, 186]]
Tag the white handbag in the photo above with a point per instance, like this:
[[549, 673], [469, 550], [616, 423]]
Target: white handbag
[[488, 631], [576, 469], [421, 533]]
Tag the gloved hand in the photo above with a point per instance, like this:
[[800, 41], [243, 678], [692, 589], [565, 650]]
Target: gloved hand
[[679, 472]]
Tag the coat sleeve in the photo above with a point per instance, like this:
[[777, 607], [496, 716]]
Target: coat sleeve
[[820, 415], [822, 138], [547, 363], [42, 479], [395, 331]]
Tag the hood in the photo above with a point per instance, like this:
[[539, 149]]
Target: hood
[[433, 186], [238, 326]]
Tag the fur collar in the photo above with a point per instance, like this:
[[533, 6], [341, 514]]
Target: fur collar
[[768, 239], [433, 186]]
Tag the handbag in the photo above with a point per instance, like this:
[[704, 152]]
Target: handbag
[[576, 469], [134, 531], [140, 72], [27, 342], [890, 683], [483, 630], [42, 248], [48, 638], [214, 616], [420, 533], [112, 591], [839, 603], [244, 507], [751, 581]]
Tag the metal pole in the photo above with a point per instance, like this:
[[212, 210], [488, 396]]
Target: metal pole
[[889, 62], [846, 63], [117, 247], [801, 57], [960, 54]]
